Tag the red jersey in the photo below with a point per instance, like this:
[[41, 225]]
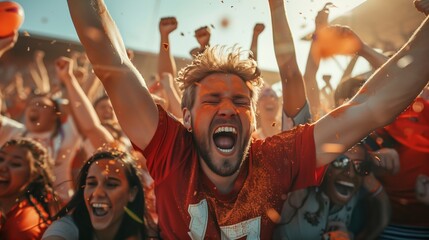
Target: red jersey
[[190, 207], [23, 222], [411, 132]]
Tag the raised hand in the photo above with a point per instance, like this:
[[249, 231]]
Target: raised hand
[[337, 40], [321, 19], [386, 160], [422, 6], [167, 25], [64, 68], [202, 35], [258, 29]]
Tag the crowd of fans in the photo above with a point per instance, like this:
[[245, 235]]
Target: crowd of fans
[[210, 151]]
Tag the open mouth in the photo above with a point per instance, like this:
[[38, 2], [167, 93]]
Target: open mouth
[[345, 189], [100, 209], [33, 119], [4, 181], [225, 138]]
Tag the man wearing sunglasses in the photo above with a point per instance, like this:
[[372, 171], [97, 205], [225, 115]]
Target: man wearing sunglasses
[[326, 211]]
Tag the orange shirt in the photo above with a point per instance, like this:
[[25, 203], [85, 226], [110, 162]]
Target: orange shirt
[[23, 222]]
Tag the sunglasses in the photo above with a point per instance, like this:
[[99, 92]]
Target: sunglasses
[[362, 168]]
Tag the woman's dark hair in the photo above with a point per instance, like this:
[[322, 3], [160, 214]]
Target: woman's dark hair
[[80, 214], [40, 191]]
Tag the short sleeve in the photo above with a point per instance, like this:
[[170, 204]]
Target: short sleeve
[[63, 227]]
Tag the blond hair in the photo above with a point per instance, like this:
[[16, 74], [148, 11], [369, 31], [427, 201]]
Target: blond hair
[[219, 59]]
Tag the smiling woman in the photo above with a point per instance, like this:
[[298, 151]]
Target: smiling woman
[[26, 192], [108, 203]]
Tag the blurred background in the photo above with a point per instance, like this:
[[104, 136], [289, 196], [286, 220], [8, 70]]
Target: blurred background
[[384, 24]]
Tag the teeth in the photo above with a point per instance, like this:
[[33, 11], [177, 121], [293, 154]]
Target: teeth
[[225, 150], [347, 184], [100, 205], [226, 129]]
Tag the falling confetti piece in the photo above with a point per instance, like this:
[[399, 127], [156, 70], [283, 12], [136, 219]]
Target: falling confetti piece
[[211, 25], [165, 45], [224, 22], [273, 215], [333, 148], [28, 49], [53, 41], [182, 34], [26, 34], [273, 124], [418, 107]]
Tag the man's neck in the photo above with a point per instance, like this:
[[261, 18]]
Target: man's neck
[[223, 185]]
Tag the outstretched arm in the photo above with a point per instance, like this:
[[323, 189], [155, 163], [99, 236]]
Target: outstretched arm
[[312, 66], [294, 97], [81, 108], [125, 86], [388, 92], [166, 61], [257, 30]]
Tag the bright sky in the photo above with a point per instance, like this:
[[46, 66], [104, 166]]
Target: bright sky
[[138, 23]]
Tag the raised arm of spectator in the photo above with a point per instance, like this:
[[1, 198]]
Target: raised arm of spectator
[[312, 66], [294, 98], [374, 58], [174, 100], [386, 94], [83, 112], [125, 86], [166, 63], [202, 35], [38, 72], [257, 30]]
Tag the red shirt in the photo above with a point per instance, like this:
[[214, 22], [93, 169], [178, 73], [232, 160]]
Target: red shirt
[[188, 203], [411, 132], [23, 222]]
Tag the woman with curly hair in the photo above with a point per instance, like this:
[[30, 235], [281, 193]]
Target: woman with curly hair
[[26, 192], [108, 203]]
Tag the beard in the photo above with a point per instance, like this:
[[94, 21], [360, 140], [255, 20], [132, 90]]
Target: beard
[[227, 167]]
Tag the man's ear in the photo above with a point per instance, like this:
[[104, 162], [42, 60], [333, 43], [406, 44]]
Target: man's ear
[[187, 118]]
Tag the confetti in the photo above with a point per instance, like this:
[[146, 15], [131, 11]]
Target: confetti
[[418, 107], [333, 148], [273, 215]]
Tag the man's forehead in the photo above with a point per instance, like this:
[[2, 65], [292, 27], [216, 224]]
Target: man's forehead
[[220, 82]]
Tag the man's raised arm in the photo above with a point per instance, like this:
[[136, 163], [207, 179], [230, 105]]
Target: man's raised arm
[[386, 94], [136, 111]]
